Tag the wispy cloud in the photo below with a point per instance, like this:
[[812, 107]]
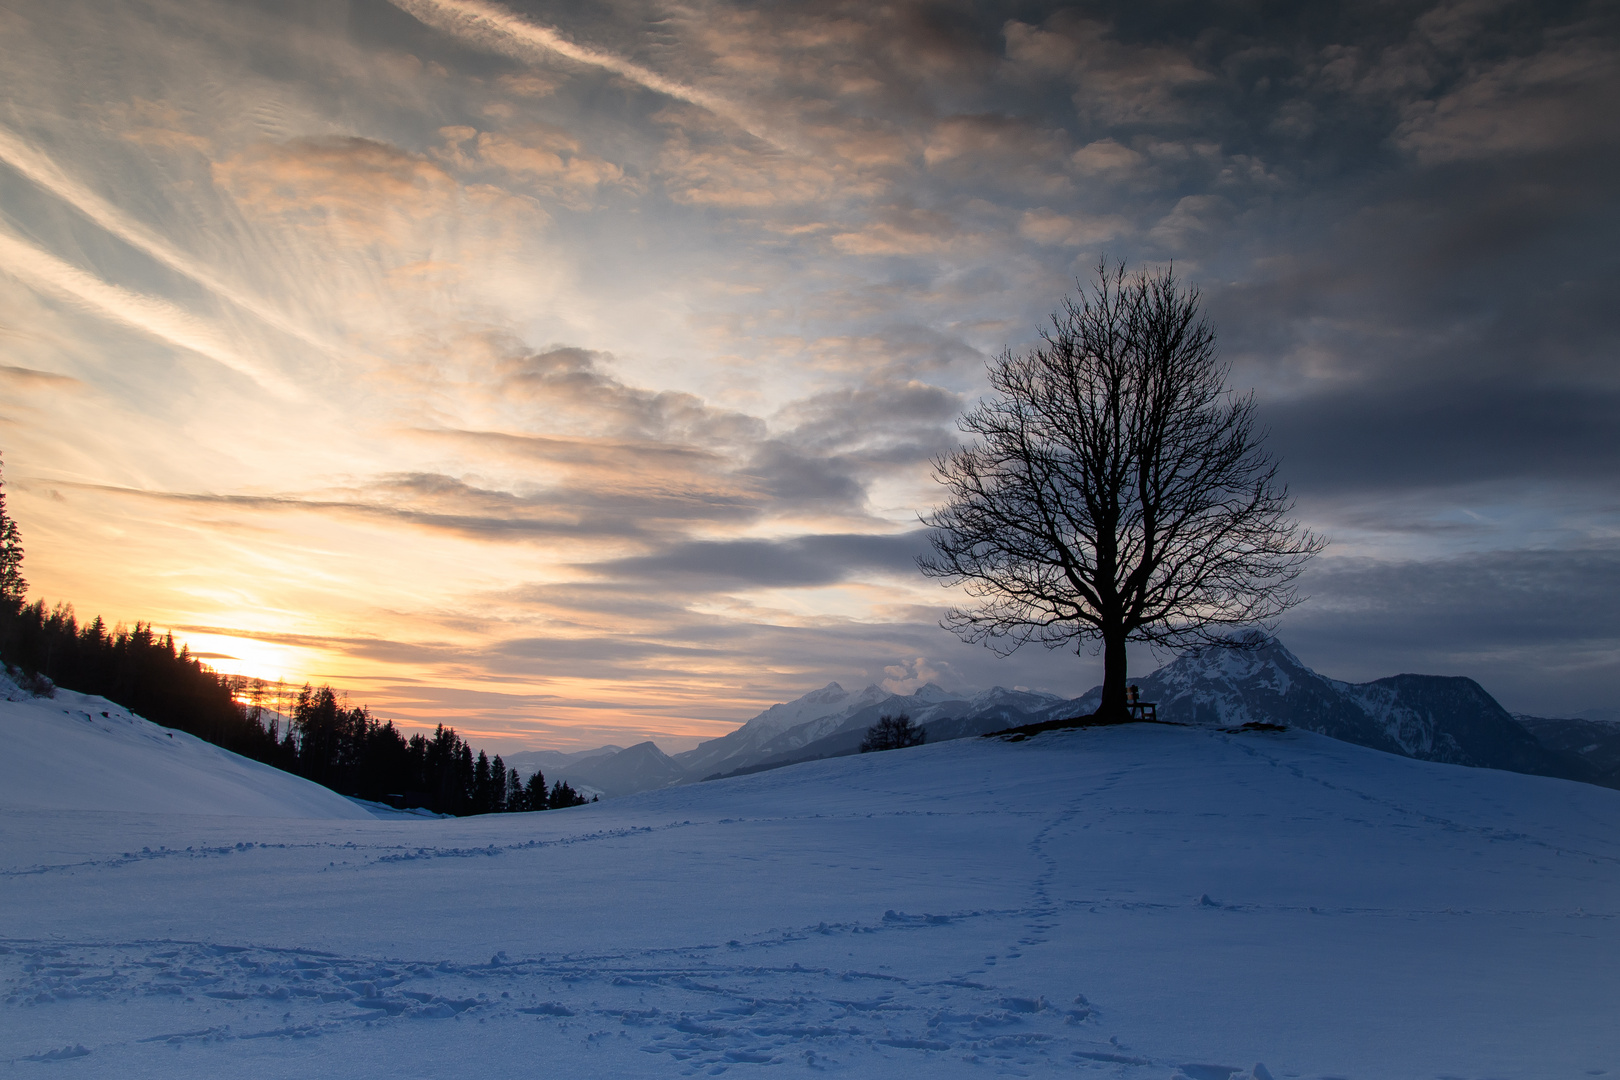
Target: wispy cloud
[[38, 167], [492, 27], [148, 314], [42, 380]]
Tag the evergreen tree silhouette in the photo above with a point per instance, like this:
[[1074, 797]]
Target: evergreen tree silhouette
[[13, 586], [497, 786], [534, 792], [563, 794]]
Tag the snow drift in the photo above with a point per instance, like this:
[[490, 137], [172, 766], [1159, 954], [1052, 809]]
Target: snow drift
[[77, 752]]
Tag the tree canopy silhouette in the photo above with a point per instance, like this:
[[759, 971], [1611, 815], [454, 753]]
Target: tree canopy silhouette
[[13, 587], [893, 733], [1114, 489]]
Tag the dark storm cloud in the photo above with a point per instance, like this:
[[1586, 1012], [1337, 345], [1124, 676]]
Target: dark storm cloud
[[1367, 440], [1540, 629], [1491, 599], [889, 423], [1476, 272]]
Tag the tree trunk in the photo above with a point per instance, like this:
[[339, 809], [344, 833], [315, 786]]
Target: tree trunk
[[1113, 693]]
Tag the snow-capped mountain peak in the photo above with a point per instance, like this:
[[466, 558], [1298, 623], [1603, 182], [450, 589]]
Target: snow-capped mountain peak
[[1000, 695], [831, 692], [827, 701], [1251, 658], [931, 693], [831, 700]]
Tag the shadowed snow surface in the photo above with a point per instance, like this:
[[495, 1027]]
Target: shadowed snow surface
[[77, 752], [1141, 902]]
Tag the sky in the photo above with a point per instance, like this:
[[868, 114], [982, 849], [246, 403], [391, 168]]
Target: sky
[[570, 373]]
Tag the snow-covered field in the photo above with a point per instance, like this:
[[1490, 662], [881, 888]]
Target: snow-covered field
[[1140, 902]]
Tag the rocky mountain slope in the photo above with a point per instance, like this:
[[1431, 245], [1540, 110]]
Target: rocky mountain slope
[[1594, 742], [1429, 717]]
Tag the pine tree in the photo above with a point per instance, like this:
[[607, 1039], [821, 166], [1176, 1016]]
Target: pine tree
[[481, 792], [515, 802], [13, 586], [534, 792], [497, 786], [563, 794], [465, 775]]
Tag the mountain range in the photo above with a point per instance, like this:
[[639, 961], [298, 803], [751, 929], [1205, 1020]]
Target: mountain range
[[1253, 679]]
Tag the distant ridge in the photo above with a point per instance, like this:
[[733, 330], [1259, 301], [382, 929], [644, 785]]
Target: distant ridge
[[1430, 717], [942, 717]]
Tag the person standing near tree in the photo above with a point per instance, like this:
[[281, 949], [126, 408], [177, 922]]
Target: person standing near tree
[[1115, 489]]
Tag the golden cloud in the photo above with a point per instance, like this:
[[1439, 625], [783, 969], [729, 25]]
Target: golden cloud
[[1107, 158], [529, 84], [22, 378], [1046, 226], [548, 160], [902, 230], [369, 187], [156, 123], [727, 175], [1002, 150]]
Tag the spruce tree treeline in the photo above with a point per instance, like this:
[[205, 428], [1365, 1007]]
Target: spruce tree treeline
[[13, 587], [349, 750], [326, 740]]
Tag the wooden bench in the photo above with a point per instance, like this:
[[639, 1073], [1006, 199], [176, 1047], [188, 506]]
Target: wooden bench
[[1144, 710]]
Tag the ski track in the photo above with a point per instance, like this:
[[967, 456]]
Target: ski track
[[703, 1009], [986, 990]]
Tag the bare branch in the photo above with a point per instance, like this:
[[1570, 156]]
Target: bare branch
[[1114, 488]]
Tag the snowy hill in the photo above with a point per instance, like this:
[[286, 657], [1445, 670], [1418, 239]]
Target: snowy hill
[[1140, 902], [76, 752]]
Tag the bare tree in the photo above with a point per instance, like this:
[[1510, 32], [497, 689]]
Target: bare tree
[[893, 733], [1114, 489]]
